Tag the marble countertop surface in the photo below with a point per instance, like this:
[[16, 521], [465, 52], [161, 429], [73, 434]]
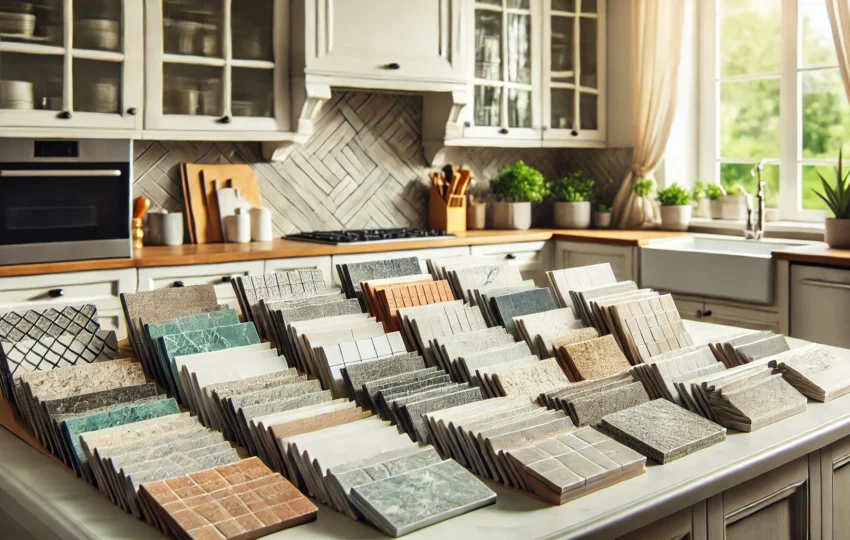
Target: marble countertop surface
[[50, 501]]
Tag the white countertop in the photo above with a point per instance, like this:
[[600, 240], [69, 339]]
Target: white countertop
[[40, 495]]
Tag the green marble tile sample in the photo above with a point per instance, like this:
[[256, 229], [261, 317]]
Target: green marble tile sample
[[72, 428]]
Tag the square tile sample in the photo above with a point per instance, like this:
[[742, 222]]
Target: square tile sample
[[575, 279], [506, 307], [530, 380], [650, 327], [662, 431], [35, 324], [595, 358], [242, 500]]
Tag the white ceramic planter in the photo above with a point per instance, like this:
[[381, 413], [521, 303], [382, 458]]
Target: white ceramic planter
[[512, 215], [734, 207], [715, 209], [601, 220], [838, 233], [572, 215], [702, 208], [676, 218]]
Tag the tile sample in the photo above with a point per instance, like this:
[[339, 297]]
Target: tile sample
[[35, 324], [594, 359], [650, 327], [583, 277], [815, 372], [506, 307], [472, 278], [588, 410], [530, 380]]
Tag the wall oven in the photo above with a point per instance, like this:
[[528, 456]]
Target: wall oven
[[63, 200]]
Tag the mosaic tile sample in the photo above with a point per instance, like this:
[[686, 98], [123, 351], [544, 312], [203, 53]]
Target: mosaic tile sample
[[35, 324], [650, 327]]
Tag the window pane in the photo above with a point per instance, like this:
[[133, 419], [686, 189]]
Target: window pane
[[31, 81], [192, 90], [562, 108], [488, 45], [519, 48], [588, 6], [749, 41], [253, 91], [818, 48], [193, 28], [811, 182], [97, 86], [564, 5], [749, 119], [562, 48], [97, 25], [588, 111], [587, 36], [518, 4], [487, 106], [252, 30], [826, 115], [732, 174], [519, 108]]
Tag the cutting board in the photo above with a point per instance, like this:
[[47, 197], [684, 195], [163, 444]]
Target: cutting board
[[202, 180]]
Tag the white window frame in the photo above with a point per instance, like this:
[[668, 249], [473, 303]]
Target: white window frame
[[790, 159]]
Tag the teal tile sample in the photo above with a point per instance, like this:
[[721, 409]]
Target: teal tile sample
[[189, 323], [208, 340], [72, 428]]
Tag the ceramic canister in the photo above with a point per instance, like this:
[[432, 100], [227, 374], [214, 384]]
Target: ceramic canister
[[165, 228], [237, 228], [261, 225]]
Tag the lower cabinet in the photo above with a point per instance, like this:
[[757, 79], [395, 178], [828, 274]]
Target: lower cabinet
[[835, 489], [820, 304], [625, 260], [533, 259], [694, 308], [219, 275], [687, 523]]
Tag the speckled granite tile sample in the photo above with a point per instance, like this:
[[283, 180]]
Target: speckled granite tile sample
[[356, 273], [531, 380], [240, 501], [596, 358], [662, 431], [410, 501], [588, 410], [522, 303], [550, 342], [358, 374]]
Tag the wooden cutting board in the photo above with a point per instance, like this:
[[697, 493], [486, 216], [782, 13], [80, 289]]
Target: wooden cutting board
[[202, 181]]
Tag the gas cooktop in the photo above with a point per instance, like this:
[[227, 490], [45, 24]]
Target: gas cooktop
[[367, 236]]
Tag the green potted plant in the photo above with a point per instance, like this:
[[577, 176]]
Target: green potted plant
[[714, 192], [733, 205], [700, 200], [602, 217], [675, 208], [516, 188], [837, 199], [572, 195], [645, 211]]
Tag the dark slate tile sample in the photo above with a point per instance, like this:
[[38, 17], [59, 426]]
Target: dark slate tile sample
[[522, 303]]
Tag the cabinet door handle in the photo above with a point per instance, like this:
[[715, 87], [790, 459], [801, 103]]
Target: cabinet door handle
[[503, 131], [64, 115], [702, 314], [392, 65], [574, 133], [224, 120], [826, 284], [177, 284], [132, 111], [510, 256], [226, 279], [56, 293]]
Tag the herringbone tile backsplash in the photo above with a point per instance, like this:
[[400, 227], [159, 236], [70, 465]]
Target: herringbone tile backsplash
[[362, 168]]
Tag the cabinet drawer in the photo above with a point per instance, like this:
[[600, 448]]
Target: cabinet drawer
[[623, 260], [422, 254], [820, 304], [113, 320], [740, 317], [532, 258], [302, 263], [100, 288], [219, 275], [691, 309]]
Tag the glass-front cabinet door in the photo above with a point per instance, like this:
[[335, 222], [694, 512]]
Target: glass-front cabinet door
[[506, 71], [216, 64], [71, 63], [573, 71]]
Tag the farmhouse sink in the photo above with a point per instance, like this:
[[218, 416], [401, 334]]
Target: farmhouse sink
[[720, 267]]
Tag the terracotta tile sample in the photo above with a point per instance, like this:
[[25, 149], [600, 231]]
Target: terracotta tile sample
[[594, 359], [245, 500]]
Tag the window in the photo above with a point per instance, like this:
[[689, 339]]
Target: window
[[771, 89]]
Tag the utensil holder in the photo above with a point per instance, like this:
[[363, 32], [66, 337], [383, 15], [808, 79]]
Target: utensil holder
[[476, 215], [449, 216]]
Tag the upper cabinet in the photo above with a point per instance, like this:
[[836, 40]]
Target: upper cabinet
[[538, 77], [217, 66], [67, 64]]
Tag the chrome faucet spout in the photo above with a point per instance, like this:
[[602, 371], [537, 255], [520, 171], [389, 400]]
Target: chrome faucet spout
[[755, 223]]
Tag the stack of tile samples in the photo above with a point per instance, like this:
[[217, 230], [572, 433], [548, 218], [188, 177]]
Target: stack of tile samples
[[242, 500], [43, 340], [351, 275], [664, 375], [507, 306], [649, 327], [365, 468], [746, 398], [814, 372], [483, 296], [592, 359], [445, 267], [528, 380], [519, 444], [485, 350], [748, 347], [588, 401], [422, 324], [466, 280], [276, 287], [357, 375], [662, 431], [391, 299], [540, 329], [564, 281], [331, 359]]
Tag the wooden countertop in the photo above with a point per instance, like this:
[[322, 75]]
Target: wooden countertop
[[282, 249], [815, 254]]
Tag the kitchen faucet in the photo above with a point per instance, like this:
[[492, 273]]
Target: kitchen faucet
[[755, 226]]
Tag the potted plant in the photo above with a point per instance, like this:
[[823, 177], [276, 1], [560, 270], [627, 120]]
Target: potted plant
[[733, 205], [675, 208], [602, 217], [515, 188], [645, 210], [572, 195], [837, 199], [714, 192], [700, 200]]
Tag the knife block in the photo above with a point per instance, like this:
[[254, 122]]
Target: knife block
[[449, 216]]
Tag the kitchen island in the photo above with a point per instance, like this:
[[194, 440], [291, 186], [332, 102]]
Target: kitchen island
[[777, 482]]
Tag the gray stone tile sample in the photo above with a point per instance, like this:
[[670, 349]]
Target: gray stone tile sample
[[815, 372], [588, 410], [416, 499], [531, 380], [662, 431], [358, 374], [754, 406], [506, 307], [414, 410], [356, 273]]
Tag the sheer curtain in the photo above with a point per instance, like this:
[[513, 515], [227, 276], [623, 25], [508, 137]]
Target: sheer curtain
[[839, 18], [656, 52]]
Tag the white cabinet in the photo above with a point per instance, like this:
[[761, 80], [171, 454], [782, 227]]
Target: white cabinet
[[73, 65], [624, 260], [728, 313], [820, 304], [302, 263], [538, 74], [100, 288], [217, 67], [532, 258], [400, 41], [218, 275], [422, 254]]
